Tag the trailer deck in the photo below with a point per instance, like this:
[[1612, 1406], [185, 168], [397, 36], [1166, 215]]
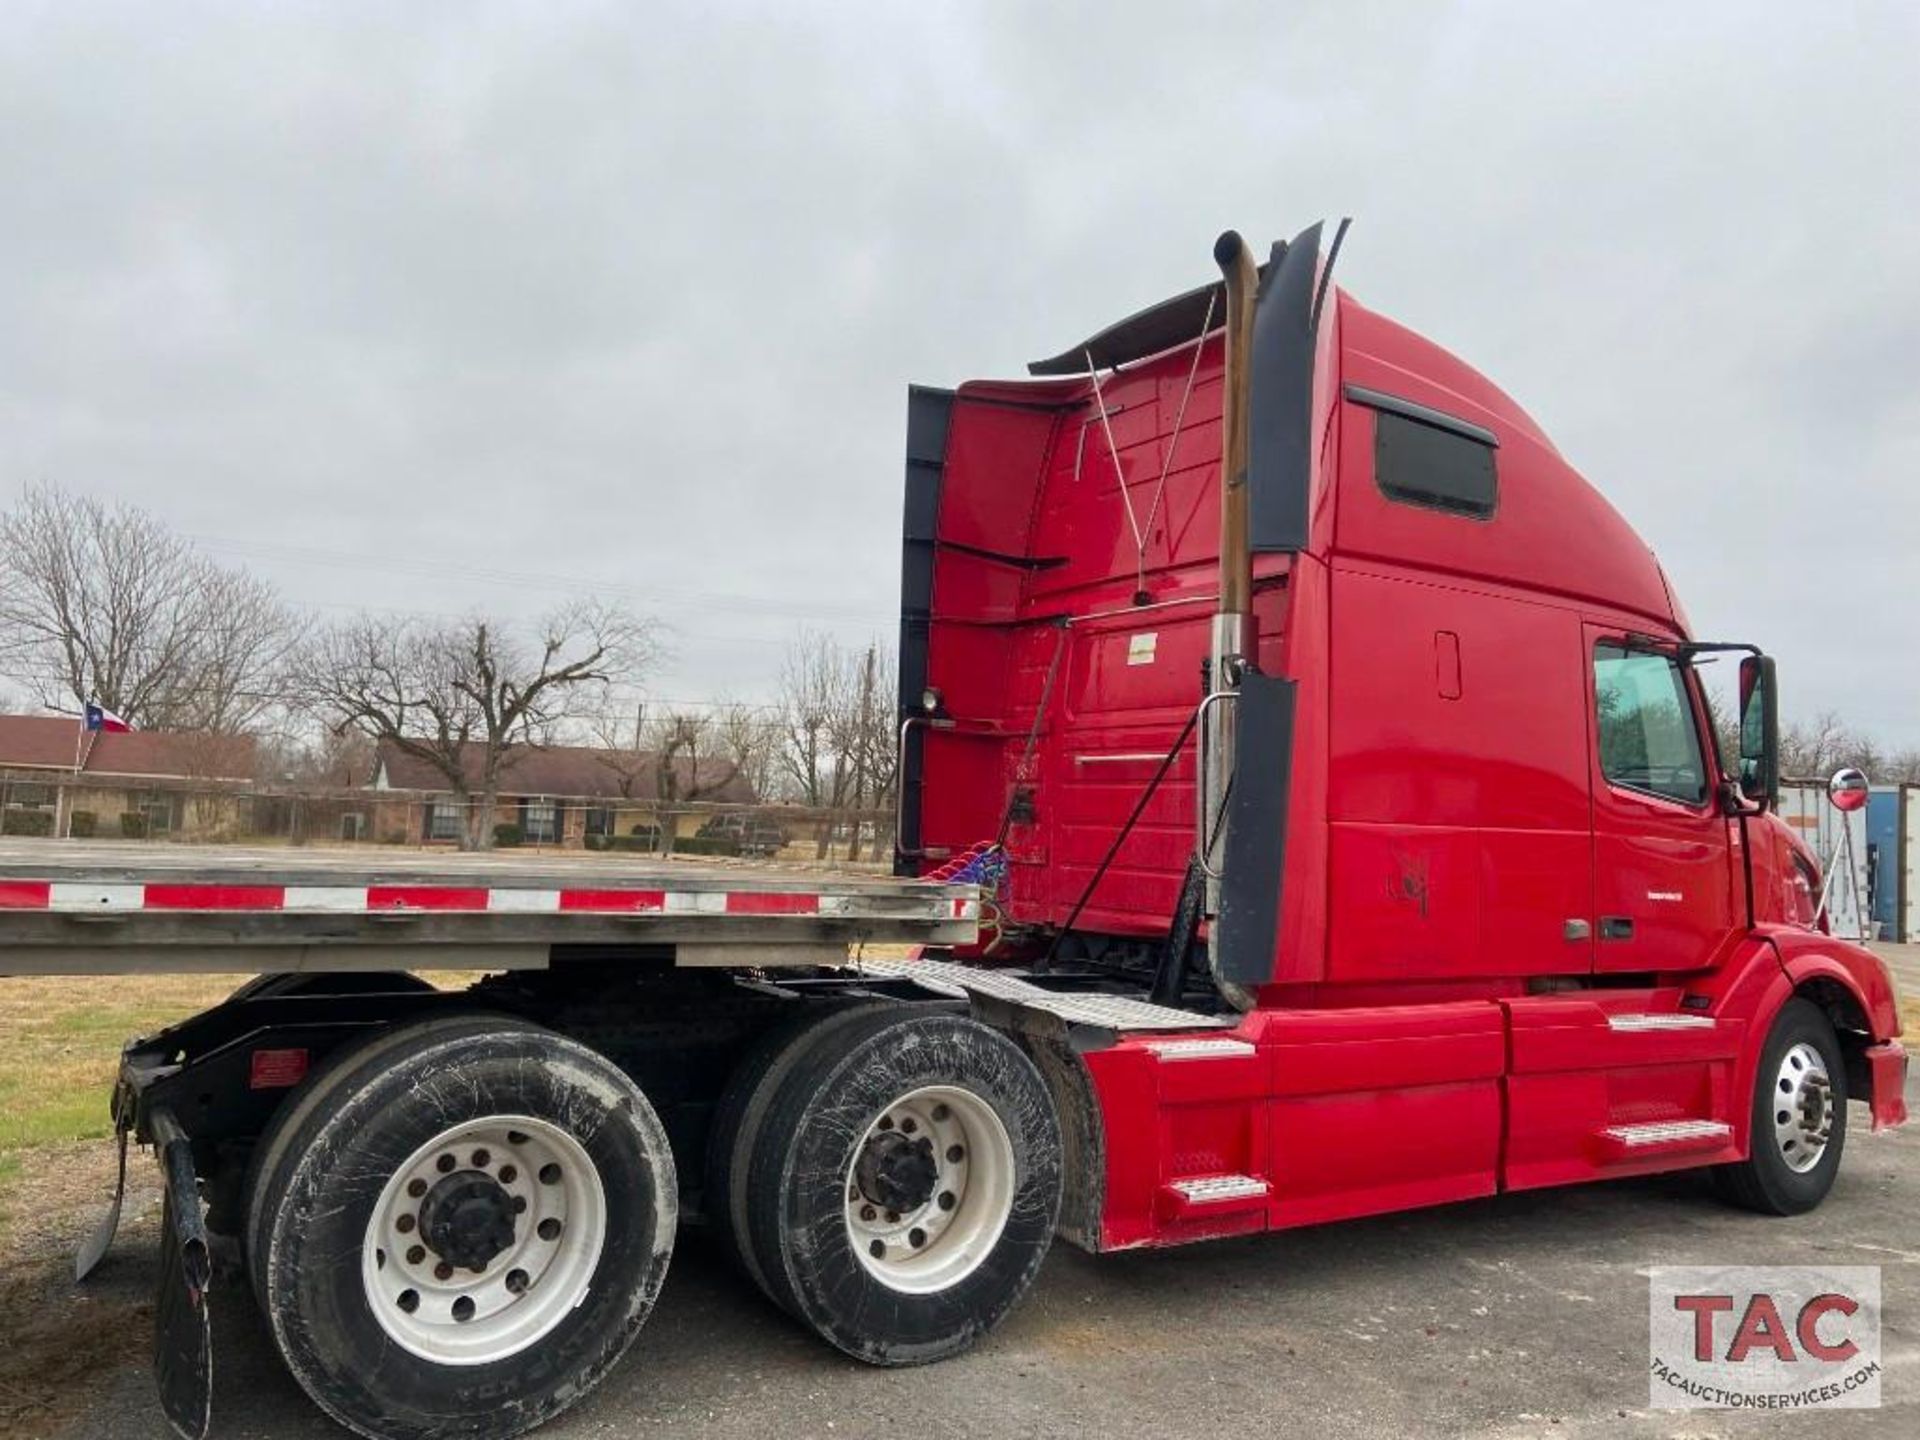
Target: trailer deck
[[90, 908]]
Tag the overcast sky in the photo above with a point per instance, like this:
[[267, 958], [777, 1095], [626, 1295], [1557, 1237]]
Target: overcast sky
[[510, 302]]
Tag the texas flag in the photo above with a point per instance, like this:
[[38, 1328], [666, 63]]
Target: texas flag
[[101, 718]]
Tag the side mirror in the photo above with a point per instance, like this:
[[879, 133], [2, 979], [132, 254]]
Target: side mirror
[[1760, 732], [1848, 790]]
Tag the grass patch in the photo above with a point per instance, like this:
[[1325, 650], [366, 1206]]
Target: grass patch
[[62, 1038], [62, 1049]]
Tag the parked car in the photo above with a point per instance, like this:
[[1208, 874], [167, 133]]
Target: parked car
[[755, 835]]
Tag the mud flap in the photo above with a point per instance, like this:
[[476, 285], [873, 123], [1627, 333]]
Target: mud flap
[[182, 1321], [98, 1243]]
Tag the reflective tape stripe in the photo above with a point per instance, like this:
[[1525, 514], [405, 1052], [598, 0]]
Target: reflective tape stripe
[[24, 894], [215, 897], [617, 902], [325, 897], [524, 902], [65, 896]]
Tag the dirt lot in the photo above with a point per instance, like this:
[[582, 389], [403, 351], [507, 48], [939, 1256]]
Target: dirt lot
[[1519, 1316]]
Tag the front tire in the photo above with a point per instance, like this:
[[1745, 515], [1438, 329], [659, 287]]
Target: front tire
[[1799, 1117], [905, 1185], [464, 1236]]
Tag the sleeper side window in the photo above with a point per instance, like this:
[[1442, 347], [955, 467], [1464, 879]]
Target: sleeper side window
[[1648, 739], [1420, 464]]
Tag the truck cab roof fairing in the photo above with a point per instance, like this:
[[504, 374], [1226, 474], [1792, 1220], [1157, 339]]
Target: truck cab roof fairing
[[1168, 325]]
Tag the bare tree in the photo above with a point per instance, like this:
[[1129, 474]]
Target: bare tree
[[749, 737], [685, 769], [619, 741], [837, 733], [1813, 749], [103, 603], [813, 686], [461, 695]]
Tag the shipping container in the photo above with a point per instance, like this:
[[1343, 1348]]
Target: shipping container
[[1883, 862]]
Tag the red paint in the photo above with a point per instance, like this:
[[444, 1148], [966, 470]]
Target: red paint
[[626, 902], [215, 897], [748, 902], [1432, 1029], [25, 894], [425, 897]]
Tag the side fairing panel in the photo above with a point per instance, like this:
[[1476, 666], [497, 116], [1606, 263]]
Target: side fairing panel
[[1458, 808]]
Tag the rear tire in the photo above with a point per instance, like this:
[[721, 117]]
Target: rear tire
[[339, 1075], [536, 1185], [736, 1121], [1798, 1123], [905, 1185]]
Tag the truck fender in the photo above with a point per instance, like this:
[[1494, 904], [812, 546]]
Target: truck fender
[[1852, 984]]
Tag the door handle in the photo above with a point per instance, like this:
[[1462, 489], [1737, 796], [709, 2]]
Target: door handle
[[1577, 930], [1616, 927]]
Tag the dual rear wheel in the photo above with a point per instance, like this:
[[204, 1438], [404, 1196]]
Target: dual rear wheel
[[890, 1176], [459, 1227]]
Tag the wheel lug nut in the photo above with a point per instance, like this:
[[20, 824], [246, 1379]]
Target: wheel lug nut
[[956, 1153], [519, 1204], [481, 1159], [517, 1282], [443, 1271], [463, 1309], [404, 1224], [550, 1174], [867, 1213], [946, 1200], [416, 1188], [549, 1229], [409, 1301], [508, 1174], [886, 1122], [916, 1238], [940, 1113], [416, 1254], [907, 1126], [444, 1164]]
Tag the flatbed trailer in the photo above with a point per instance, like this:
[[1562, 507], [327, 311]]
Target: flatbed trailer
[[86, 908], [1367, 848]]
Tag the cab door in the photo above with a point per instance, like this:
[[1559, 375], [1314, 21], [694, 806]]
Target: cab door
[[1662, 851]]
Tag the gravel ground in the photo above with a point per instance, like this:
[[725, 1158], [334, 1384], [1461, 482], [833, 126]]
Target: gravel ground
[[1519, 1316]]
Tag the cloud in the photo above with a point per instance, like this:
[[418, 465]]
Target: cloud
[[510, 300]]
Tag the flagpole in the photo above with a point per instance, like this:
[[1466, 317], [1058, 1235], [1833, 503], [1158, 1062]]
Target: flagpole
[[64, 808]]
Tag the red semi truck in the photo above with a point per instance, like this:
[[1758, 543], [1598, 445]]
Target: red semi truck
[[1309, 808]]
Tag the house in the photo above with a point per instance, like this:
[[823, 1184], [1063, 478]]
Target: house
[[569, 795], [58, 778]]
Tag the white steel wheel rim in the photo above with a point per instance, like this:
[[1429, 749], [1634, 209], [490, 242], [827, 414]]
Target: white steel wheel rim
[[1802, 1108], [455, 1314], [934, 1245]]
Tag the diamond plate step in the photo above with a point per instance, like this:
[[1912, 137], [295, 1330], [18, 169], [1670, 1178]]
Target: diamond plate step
[[1198, 1196], [1109, 1012], [1665, 1137]]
